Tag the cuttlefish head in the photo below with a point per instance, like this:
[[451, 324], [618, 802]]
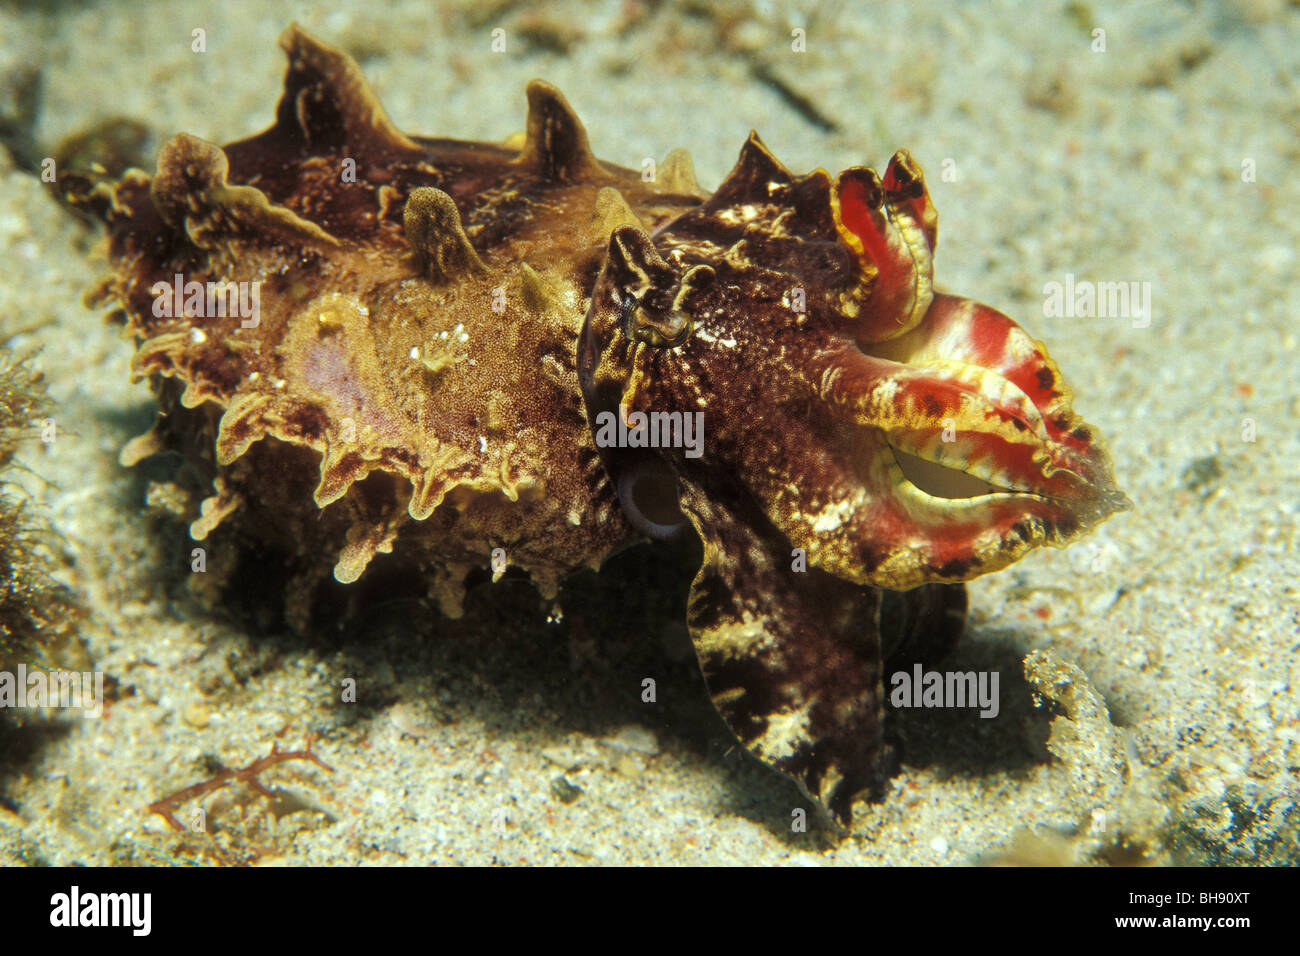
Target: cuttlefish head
[[849, 428]]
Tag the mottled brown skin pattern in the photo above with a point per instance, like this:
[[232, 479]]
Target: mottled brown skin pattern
[[441, 324], [491, 425]]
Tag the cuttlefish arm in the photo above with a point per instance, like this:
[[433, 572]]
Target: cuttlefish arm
[[790, 653]]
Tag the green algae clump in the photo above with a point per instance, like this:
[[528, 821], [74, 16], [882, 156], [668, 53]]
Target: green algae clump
[[37, 613]]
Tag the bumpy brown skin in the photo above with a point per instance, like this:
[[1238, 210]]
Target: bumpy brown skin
[[411, 385], [378, 347]]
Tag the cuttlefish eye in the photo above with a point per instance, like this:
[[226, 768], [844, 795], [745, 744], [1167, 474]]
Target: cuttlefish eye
[[661, 329], [648, 493], [655, 306]]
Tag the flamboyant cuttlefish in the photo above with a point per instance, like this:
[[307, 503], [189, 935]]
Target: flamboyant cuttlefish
[[462, 354]]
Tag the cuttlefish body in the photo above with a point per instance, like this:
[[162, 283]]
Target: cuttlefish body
[[383, 350]]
